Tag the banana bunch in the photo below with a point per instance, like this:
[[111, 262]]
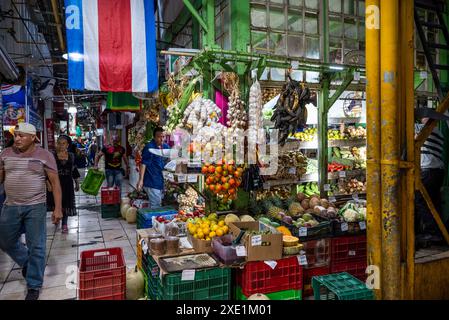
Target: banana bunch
[[309, 189], [333, 134], [309, 134]]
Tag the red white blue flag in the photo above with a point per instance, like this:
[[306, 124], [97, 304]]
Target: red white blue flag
[[111, 45]]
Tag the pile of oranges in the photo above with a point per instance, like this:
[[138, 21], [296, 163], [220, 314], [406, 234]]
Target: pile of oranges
[[207, 228], [223, 179]]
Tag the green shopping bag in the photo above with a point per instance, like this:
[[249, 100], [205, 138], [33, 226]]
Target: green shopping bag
[[93, 181]]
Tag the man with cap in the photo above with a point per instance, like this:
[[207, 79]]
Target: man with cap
[[24, 168], [113, 163]]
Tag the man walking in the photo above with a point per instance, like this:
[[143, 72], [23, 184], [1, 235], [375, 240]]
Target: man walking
[[93, 149], [24, 168], [113, 163], [150, 174]]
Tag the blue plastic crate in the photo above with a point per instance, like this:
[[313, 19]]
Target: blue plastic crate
[[144, 216]]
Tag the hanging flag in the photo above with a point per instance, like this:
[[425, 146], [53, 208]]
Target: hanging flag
[[111, 45], [123, 101]]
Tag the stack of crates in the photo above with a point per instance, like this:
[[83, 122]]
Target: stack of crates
[[283, 282], [349, 254], [110, 202], [145, 215], [318, 254], [209, 284], [340, 286]]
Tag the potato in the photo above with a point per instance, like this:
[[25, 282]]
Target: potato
[[324, 203], [314, 202]]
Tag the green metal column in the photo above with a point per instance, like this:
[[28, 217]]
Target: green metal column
[[195, 34], [210, 21], [323, 107], [325, 31]]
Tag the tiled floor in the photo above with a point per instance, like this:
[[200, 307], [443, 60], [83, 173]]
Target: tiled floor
[[87, 231]]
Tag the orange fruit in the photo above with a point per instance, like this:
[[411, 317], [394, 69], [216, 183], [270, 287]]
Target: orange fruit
[[204, 170], [225, 229], [230, 168], [226, 186], [211, 169], [200, 234], [219, 169], [219, 232], [212, 234], [224, 179], [221, 223], [218, 188], [231, 191], [232, 182], [237, 174], [212, 187]]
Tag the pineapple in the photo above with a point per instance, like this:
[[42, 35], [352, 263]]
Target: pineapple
[[295, 209], [271, 209]]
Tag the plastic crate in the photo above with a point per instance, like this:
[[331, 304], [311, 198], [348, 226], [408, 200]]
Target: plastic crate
[[357, 269], [145, 285], [92, 182], [209, 284], [280, 295], [322, 230], [102, 275], [353, 228], [348, 249], [307, 279], [258, 277], [110, 211], [145, 215], [318, 252], [340, 286], [110, 195]]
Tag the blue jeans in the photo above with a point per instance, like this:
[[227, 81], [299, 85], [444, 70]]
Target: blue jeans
[[155, 197], [33, 217], [114, 177]]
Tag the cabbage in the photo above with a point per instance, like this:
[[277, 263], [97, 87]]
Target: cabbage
[[350, 215]]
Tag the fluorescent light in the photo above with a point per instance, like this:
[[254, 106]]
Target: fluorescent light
[[65, 56], [336, 68], [73, 56], [72, 109]]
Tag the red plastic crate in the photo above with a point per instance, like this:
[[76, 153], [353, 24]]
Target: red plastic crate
[[348, 249], [258, 277], [318, 252], [307, 279], [110, 195], [102, 275], [357, 269]]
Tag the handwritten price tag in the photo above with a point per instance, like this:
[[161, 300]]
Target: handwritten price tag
[[327, 187], [188, 275], [351, 253], [344, 227], [192, 178], [332, 199], [271, 264], [182, 178], [342, 174], [303, 232], [362, 225], [240, 251], [302, 260], [355, 196], [171, 177], [256, 241]]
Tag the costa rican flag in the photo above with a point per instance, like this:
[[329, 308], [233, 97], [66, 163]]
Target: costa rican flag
[[111, 45]]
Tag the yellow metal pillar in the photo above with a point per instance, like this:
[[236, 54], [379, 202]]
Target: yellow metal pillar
[[373, 212], [390, 273]]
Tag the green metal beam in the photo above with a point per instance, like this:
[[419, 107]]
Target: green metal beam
[[195, 14], [240, 25], [346, 82], [210, 18], [325, 19]]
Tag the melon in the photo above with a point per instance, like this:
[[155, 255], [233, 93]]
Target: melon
[[124, 209], [231, 218], [134, 284], [314, 202], [246, 218], [131, 215], [258, 296], [305, 204]]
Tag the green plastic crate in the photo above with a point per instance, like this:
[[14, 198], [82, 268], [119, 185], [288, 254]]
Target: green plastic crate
[[280, 295], [340, 286], [110, 211], [145, 284], [92, 182]]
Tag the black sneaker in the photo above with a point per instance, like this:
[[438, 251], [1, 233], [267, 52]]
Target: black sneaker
[[24, 271], [33, 294]]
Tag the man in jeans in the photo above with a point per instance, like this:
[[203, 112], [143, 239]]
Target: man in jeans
[[24, 168], [151, 178], [113, 163]]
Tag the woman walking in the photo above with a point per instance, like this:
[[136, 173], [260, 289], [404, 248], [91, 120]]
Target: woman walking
[[68, 175]]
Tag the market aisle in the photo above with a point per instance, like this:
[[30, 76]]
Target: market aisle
[[86, 231]]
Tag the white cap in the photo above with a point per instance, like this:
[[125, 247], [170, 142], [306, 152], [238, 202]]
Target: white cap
[[26, 128]]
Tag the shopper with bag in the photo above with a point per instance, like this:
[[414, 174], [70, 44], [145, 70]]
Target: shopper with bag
[[24, 169]]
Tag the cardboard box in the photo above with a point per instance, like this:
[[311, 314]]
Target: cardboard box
[[201, 246], [271, 244]]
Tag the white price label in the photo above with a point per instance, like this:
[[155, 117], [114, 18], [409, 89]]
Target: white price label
[[362, 225], [344, 227], [171, 177], [302, 232], [357, 76], [302, 260], [355, 196], [240, 251], [332, 199], [342, 174], [188, 275], [272, 264], [256, 241], [292, 170], [182, 178], [327, 187], [192, 178], [351, 253]]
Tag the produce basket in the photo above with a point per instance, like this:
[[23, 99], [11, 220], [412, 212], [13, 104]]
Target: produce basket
[[110, 211], [92, 182], [340, 286], [110, 195], [102, 275], [259, 277], [307, 279], [318, 252], [322, 230], [280, 295], [341, 228], [357, 269], [348, 249]]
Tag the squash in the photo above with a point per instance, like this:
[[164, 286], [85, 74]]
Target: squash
[[284, 231], [134, 284], [290, 251], [124, 209], [246, 218], [258, 296], [231, 218], [290, 241], [131, 215]]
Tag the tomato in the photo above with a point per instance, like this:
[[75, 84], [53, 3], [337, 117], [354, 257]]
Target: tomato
[[204, 170], [218, 188], [231, 182], [224, 179], [231, 191], [211, 169], [219, 169], [212, 187]]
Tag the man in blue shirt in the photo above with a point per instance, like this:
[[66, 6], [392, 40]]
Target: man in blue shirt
[[150, 177]]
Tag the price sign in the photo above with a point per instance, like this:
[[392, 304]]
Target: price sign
[[344, 227], [271, 264], [342, 174], [327, 187], [256, 241], [170, 177], [144, 246], [355, 196], [351, 253], [303, 232], [362, 225], [188, 275], [240, 251], [182, 178], [332, 199], [193, 178], [292, 170], [302, 260], [357, 76]]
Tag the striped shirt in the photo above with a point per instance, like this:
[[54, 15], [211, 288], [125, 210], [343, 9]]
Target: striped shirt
[[25, 175], [432, 149]]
